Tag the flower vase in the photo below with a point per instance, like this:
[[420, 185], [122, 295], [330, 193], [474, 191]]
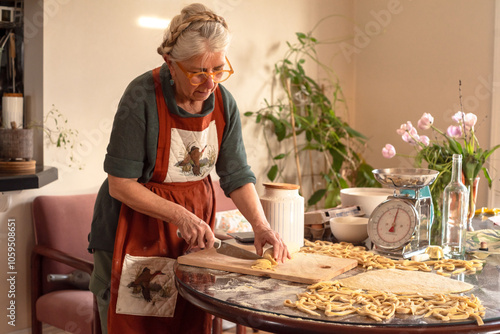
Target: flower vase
[[437, 190], [472, 201]]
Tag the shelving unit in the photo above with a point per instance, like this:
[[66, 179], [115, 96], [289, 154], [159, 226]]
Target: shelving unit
[[43, 175], [12, 59]]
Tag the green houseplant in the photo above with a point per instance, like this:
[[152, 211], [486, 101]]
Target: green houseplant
[[58, 134], [303, 130]]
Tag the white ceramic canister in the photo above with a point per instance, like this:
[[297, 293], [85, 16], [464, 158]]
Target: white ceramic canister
[[12, 110], [284, 209]]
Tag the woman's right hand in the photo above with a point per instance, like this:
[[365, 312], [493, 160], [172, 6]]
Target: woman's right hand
[[194, 230]]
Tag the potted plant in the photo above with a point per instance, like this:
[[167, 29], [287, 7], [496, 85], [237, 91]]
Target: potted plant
[[304, 133], [437, 153], [59, 135]]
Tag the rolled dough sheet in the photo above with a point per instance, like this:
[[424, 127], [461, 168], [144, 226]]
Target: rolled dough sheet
[[405, 281]]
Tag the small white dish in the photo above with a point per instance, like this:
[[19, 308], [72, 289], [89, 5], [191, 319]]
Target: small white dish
[[350, 229]]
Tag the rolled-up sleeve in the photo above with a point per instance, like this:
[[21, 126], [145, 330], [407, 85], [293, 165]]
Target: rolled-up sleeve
[[232, 166], [132, 133]]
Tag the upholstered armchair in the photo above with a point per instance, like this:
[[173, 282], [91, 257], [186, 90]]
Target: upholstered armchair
[[61, 225]]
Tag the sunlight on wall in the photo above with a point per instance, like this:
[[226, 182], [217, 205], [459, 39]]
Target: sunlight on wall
[[153, 22]]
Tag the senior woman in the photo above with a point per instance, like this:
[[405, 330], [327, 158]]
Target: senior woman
[[173, 125]]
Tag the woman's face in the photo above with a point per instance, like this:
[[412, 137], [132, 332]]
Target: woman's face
[[185, 91]]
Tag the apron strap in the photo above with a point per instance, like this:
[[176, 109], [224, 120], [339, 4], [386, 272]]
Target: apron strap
[[161, 166], [221, 122]]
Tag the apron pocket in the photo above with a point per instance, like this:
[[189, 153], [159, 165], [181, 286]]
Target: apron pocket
[[147, 286]]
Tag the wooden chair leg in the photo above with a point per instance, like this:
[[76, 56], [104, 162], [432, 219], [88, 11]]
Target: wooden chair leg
[[240, 329], [36, 287], [36, 327], [217, 326]]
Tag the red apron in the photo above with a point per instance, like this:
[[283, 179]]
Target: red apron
[[140, 235]]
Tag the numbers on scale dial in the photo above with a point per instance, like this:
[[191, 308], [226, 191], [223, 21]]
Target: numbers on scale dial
[[392, 224]]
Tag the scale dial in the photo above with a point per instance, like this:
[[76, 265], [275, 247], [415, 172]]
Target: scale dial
[[392, 223]]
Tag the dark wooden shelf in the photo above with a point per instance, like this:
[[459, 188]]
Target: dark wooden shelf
[[42, 176]]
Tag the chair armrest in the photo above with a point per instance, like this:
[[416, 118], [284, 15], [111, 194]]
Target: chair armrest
[[39, 252], [56, 255]]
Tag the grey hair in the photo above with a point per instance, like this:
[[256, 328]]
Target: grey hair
[[195, 31]]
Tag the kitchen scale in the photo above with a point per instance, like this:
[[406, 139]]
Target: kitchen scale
[[399, 227]]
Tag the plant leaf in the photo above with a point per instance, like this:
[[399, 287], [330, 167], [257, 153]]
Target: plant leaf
[[279, 156], [316, 197], [273, 171], [279, 127]]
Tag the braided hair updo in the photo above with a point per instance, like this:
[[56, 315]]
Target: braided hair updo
[[195, 31]]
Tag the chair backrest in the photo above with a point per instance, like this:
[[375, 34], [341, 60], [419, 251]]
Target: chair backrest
[[63, 223], [222, 203]]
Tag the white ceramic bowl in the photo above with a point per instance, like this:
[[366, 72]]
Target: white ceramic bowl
[[366, 198], [349, 229]]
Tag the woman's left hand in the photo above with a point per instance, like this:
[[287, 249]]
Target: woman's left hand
[[265, 235], [248, 202]]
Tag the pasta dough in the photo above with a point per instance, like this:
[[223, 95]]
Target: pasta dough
[[404, 281], [391, 287], [370, 260], [266, 263], [335, 300]]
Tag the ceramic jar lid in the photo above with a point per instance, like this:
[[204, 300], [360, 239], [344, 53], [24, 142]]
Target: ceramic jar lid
[[285, 186]]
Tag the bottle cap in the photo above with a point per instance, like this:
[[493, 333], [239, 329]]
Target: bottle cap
[[483, 246]]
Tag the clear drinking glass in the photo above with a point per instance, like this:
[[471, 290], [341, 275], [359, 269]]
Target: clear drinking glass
[[454, 219]]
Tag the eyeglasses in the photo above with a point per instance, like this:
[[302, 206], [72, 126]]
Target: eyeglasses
[[199, 78]]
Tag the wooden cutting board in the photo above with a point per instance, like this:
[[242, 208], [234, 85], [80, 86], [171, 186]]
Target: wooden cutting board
[[302, 268]]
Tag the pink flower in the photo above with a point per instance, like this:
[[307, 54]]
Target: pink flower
[[425, 121], [404, 128], [425, 140], [388, 151], [454, 131], [458, 117], [407, 138], [470, 121], [410, 136]]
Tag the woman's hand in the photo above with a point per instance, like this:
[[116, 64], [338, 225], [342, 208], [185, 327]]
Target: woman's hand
[[265, 235], [194, 230], [248, 202]]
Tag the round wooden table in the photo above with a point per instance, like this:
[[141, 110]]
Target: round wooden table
[[257, 302]]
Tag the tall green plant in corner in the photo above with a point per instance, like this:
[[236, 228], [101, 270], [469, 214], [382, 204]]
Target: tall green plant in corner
[[322, 148]]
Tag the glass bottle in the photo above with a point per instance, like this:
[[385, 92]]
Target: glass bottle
[[454, 219]]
